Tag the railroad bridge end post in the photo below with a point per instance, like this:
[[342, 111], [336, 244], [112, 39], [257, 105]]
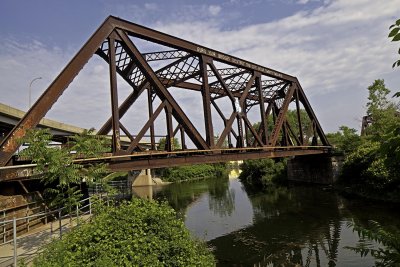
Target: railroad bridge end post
[[315, 169]]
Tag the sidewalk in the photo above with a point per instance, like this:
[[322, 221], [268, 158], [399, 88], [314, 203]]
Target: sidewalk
[[29, 244]]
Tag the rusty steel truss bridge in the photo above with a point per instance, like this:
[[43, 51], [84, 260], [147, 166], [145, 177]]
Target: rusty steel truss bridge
[[230, 90]]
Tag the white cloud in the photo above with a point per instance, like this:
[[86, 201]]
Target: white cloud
[[214, 10], [303, 2], [341, 47], [336, 51], [150, 6]]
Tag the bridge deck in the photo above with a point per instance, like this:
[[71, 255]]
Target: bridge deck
[[162, 159]]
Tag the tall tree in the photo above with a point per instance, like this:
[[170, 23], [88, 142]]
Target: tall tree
[[344, 140], [56, 166], [383, 113]]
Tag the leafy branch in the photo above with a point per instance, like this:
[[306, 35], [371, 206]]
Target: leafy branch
[[386, 255], [394, 34]]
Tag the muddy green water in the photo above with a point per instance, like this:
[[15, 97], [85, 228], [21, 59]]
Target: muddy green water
[[290, 226]]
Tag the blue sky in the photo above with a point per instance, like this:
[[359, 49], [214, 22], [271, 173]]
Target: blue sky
[[335, 48]]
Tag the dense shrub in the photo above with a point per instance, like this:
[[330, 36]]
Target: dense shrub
[[193, 172], [367, 172], [263, 172], [137, 233]]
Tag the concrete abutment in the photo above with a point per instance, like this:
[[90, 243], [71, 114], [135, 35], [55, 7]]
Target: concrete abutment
[[315, 169]]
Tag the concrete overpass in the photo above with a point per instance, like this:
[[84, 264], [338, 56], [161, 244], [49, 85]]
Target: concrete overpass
[[10, 116]]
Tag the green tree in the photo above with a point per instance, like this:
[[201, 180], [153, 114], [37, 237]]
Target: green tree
[[384, 113], [371, 167], [306, 125], [135, 233], [344, 140], [56, 165], [163, 141], [262, 173]]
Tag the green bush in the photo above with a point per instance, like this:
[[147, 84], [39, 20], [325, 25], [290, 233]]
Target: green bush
[[136, 233], [263, 172], [368, 172], [193, 172]]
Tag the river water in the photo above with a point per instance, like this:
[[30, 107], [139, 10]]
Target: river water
[[287, 226]]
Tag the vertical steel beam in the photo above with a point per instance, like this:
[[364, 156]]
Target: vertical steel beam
[[150, 109], [170, 132], [263, 125], [205, 92], [246, 128], [116, 142], [229, 135], [301, 137], [183, 141]]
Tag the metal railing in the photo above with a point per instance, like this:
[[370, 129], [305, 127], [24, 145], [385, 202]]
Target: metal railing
[[56, 222], [122, 188], [19, 211]]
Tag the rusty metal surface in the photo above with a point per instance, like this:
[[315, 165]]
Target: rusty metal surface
[[187, 66], [139, 164], [160, 159]]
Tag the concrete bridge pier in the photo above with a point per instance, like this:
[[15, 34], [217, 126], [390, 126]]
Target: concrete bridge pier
[[316, 169], [142, 178]]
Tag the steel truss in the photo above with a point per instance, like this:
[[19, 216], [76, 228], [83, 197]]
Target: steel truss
[[191, 67]]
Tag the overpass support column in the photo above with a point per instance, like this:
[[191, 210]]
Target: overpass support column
[[316, 169]]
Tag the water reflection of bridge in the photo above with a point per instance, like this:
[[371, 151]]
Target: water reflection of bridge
[[314, 240], [298, 226]]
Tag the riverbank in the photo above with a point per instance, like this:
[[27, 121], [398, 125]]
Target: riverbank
[[355, 192]]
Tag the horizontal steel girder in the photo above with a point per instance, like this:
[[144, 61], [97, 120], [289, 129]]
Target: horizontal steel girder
[[147, 160]]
